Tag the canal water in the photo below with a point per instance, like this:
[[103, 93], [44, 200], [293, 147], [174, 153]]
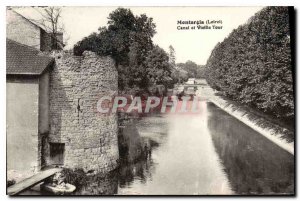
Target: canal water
[[208, 153]]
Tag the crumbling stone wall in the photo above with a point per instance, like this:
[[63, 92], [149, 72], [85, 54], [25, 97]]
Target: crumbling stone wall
[[90, 138]]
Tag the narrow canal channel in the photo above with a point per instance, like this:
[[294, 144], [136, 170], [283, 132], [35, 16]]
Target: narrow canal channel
[[206, 153]]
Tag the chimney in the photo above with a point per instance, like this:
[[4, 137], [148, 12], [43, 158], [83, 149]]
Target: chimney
[[58, 42]]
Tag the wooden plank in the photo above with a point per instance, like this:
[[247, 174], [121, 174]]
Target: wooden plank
[[31, 181]]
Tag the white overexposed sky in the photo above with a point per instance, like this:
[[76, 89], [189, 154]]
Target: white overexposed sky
[[195, 45]]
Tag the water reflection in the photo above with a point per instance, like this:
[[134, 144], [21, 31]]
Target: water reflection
[[183, 162], [205, 153], [138, 138], [140, 171], [253, 163]]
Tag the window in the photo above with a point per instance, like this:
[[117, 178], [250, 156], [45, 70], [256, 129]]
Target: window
[[57, 153]]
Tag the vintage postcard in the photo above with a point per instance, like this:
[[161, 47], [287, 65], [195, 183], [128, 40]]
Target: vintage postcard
[[150, 100]]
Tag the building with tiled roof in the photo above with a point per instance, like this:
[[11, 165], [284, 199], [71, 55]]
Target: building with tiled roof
[[27, 105], [25, 60]]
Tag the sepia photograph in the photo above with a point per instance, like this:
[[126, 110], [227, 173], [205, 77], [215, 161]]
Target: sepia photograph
[[137, 100]]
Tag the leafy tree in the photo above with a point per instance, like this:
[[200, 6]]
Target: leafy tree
[[253, 64], [128, 39], [193, 70], [179, 75], [158, 67]]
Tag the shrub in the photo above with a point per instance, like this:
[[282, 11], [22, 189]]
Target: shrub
[[75, 177]]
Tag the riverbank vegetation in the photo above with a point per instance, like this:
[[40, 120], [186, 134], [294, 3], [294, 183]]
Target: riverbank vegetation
[[253, 64], [128, 39], [193, 70]]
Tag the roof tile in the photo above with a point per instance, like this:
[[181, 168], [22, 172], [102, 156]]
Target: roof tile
[[22, 59]]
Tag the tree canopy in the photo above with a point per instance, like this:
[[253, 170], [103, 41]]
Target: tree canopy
[[193, 70], [128, 39], [158, 67], [253, 64]]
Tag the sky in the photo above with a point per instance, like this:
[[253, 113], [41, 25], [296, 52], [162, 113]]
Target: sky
[[195, 45]]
